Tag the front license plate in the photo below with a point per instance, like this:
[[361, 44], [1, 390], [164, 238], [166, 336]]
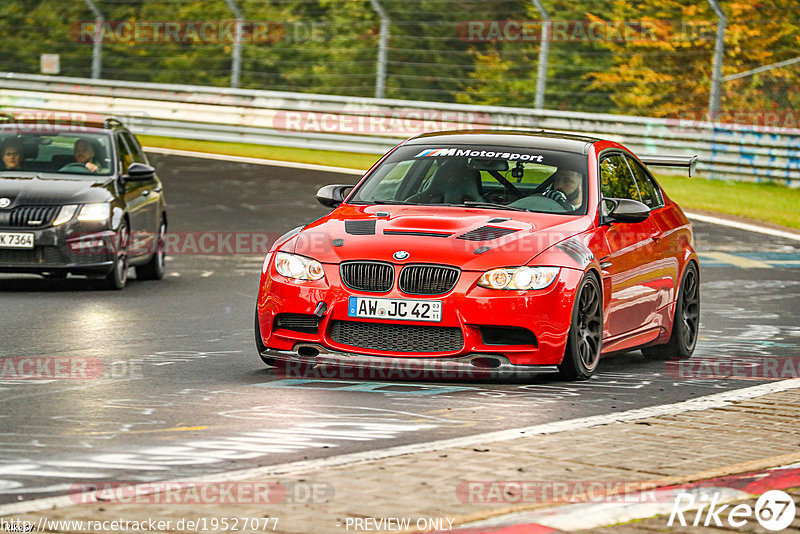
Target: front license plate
[[406, 310], [16, 240]]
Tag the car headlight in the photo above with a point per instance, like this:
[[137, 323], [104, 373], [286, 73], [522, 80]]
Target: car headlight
[[95, 212], [65, 214], [298, 267], [519, 278]]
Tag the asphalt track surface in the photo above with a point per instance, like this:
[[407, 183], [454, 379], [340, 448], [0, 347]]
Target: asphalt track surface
[[183, 394]]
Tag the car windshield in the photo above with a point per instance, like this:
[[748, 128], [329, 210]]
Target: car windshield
[[74, 153], [494, 177]]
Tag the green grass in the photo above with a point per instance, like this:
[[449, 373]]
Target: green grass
[[768, 202]]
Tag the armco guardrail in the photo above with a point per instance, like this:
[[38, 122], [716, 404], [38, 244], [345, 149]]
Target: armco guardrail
[[374, 125]]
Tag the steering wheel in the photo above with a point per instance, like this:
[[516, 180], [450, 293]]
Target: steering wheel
[[558, 196], [74, 166]]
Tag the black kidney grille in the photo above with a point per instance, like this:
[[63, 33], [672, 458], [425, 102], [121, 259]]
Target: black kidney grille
[[486, 233], [368, 276], [428, 279], [32, 216], [397, 337]]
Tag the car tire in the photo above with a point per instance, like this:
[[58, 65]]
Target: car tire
[[118, 276], [260, 347], [585, 338], [685, 321], [154, 269]]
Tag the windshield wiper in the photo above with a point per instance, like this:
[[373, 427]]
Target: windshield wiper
[[474, 204]]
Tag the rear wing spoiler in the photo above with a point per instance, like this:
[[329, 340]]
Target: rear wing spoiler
[[689, 162]]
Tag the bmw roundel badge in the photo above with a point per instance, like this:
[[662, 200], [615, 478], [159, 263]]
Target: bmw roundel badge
[[401, 255]]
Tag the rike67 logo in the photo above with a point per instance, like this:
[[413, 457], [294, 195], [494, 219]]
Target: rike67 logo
[[774, 510]]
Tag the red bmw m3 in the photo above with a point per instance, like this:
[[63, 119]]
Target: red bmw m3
[[498, 250]]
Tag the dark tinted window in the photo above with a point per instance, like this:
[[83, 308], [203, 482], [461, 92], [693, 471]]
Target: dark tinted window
[[648, 190]]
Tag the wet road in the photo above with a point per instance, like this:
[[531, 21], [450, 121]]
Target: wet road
[[182, 393]]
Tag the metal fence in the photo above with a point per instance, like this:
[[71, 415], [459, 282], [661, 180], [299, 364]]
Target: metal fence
[[633, 58], [373, 125]]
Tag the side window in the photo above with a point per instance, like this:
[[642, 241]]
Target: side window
[[135, 148], [651, 196], [125, 156], [616, 180]]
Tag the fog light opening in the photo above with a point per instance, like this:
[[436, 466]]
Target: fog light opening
[[486, 363], [307, 351]]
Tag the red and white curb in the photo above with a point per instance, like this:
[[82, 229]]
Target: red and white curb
[[616, 509]]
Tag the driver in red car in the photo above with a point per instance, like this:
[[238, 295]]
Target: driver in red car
[[567, 188]]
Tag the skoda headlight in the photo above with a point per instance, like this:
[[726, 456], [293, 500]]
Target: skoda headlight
[[65, 214], [298, 267], [95, 212], [519, 278]]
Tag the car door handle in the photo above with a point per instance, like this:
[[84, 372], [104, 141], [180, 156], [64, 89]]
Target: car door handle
[[156, 189], [146, 192], [655, 236]]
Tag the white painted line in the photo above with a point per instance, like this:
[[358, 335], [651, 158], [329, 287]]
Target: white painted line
[[743, 226], [701, 403], [255, 161]]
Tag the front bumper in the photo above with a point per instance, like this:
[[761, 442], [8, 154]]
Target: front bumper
[[469, 308], [338, 364], [60, 249]]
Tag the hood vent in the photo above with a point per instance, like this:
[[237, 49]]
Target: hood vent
[[359, 227], [416, 233], [486, 233]]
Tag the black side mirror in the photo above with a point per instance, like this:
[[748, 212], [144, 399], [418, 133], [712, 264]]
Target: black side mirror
[[140, 172], [626, 210], [333, 195]]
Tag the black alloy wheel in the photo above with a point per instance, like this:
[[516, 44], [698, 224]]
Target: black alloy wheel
[[585, 338]]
